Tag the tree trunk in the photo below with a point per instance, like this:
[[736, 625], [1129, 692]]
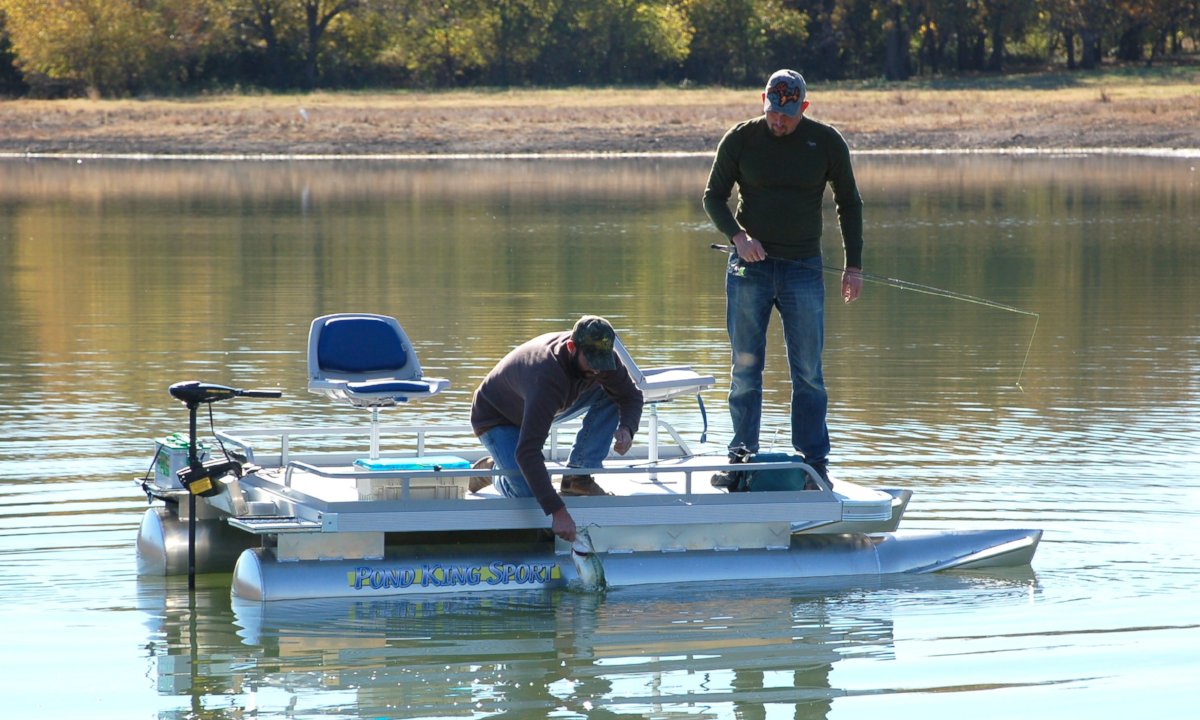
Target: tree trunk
[[962, 51], [1090, 55], [996, 61], [1129, 45], [895, 64], [977, 51]]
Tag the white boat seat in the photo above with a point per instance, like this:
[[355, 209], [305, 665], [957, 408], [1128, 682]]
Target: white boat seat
[[668, 383], [664, 383], [659, 385], [368, 361]]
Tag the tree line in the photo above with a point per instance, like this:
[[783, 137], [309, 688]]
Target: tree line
[[54, 48]]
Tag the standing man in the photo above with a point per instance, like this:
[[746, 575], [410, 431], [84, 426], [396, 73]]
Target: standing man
[[551, 377], [781, 163]]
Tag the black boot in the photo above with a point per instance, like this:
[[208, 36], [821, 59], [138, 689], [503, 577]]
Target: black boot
[[733, 480]]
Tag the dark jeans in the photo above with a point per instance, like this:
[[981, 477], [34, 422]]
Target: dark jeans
[[592, 442], [797, 290]]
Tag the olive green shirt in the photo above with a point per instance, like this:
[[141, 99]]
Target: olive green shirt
[[781, 182]]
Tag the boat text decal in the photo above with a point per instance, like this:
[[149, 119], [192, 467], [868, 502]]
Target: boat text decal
[[438, 575]]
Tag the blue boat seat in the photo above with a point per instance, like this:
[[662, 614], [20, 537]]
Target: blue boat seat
[[368, 361]]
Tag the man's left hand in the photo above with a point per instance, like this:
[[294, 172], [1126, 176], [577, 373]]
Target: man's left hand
[[563, 525], [622, 440], [851, 284]]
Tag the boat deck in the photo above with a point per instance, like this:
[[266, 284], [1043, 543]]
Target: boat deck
[[421, 485], [346, 498]]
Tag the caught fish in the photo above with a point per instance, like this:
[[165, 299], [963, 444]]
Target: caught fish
[[587, 563]]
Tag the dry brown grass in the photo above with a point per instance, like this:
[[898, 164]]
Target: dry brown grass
[[1104, 111]]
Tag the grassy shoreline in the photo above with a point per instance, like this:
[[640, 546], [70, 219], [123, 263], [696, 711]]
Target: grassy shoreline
[[1125, 109]]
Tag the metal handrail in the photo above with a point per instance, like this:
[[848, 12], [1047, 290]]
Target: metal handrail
[[405, 476], [240, 437]]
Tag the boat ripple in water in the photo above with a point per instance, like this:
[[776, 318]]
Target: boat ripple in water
[[587, 563]]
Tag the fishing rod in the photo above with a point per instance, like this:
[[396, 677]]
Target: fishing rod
[[918, 288]]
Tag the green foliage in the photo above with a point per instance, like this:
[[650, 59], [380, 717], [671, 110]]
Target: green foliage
[[741, 42], [520, 34], [196, 38], [121, 47], [443, 43], [102, 46], [663, 31], [350, 53], [614, 41]]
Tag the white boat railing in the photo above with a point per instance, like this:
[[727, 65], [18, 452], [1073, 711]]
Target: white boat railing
[[558, 448], [241, 437], [646, 468]]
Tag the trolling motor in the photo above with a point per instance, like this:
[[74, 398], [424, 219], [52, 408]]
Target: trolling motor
[[199, 477]]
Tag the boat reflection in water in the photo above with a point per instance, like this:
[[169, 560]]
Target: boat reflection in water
[[627, 651]]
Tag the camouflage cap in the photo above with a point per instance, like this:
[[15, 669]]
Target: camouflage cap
[[594, 336], [785, 93]]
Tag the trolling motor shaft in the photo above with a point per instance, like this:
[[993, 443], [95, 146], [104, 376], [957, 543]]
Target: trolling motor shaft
[[198, 477]]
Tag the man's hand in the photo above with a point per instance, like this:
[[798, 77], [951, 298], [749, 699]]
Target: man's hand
[[748, 248], [563, 524], [622, 440], [851, 284]]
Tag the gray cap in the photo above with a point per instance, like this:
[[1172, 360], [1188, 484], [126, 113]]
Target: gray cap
[[785, 93], [594, 336]]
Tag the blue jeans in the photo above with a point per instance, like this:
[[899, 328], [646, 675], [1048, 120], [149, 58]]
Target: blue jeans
[[797, 290], [592, 442]]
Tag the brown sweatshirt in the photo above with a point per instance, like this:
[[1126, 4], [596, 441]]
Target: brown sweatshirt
[[532, 384]]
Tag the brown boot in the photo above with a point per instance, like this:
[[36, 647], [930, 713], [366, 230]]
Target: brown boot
[[581, 485], [479, 482]]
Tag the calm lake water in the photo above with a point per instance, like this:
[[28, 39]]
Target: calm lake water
[[118, 279]]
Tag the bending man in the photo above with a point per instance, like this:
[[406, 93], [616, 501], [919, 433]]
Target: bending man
[[551, 377]]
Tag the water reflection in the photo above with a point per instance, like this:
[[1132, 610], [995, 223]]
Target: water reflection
[[118, 279], [624, 653]]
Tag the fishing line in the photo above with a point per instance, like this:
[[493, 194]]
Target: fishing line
[[919, 288]]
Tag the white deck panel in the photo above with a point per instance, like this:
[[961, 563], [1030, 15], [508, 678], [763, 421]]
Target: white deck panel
[[332, 496]]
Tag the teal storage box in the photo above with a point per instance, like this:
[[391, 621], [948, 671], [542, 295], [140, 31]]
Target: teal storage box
[[419, 488], [424, 462]]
